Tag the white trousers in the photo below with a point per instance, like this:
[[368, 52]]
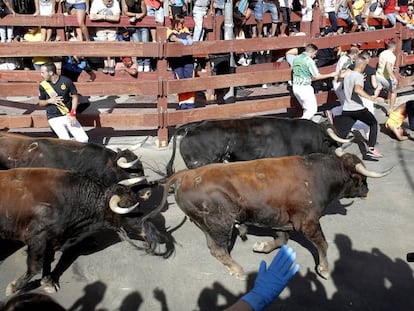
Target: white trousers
[[62, 127], [307, 99]]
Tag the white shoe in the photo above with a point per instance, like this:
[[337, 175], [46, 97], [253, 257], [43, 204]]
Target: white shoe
[[140, 68], [242, 61], [264, 86], [147, 68]]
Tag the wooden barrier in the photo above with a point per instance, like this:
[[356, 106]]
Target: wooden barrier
[[161, 83]]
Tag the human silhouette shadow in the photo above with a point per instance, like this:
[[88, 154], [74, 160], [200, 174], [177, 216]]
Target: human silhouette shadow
[[131, 302], [93, 295], [370, 281]]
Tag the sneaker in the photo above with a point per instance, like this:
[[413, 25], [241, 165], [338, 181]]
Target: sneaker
[[147, 68], [140, 68], [264, 86], [374, 153]]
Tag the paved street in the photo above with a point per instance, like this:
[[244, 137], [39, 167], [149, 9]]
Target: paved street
[[368, 242]]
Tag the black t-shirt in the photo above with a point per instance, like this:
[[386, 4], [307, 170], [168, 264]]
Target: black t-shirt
[[369, 72], [63, 87]]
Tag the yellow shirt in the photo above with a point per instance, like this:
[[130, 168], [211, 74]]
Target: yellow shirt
[[358, 7], [36, 37]]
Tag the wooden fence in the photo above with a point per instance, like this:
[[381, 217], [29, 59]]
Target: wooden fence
[[161, 83]]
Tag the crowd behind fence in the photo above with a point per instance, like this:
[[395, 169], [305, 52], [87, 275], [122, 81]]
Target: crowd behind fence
[[160, 81]]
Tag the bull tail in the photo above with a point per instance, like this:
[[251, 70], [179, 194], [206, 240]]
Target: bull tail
[[170, 169], [181, 130]]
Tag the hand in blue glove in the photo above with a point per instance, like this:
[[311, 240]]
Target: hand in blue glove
[[271, 282]]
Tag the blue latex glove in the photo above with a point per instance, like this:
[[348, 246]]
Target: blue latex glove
[[271, 282], [189, 41]]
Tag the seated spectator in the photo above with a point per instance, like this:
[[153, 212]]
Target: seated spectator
[[155, 8], [183, 67], [110, 11], [408, 20], [396, 118], [45, 8], [34, 34], [389, 7], [359, 7], [79, 8], [137, 10], [345, 12], [6, 32], [127, 65], [328, 9], [72, 67]]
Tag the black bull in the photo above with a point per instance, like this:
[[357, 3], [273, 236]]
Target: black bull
[[50, 209], [87, 158], [230, 140], [280, 194]]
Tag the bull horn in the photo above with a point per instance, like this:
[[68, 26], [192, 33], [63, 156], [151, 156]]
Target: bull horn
[[132, 181], [339, 152], [123, 163], [113, 204], [360, 168], [336, 138]]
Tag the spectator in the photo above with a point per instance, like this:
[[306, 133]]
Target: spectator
[[285, 7], [218, 6], [137, 10], [155, 8], [376, 10], [304, 69], [183, 67], [307, 10], [176, 7], [407, 19], [6, 32], [345, 12], [354, 109], [359, 7], [126, 65], [389, 7], [60, 97], [79, 8], [395, 121], [328, 8], [34, 34], [110, 11], [200, 9], [45, 8], [385, 72], [263, 6], [10, 63], [72, 67]]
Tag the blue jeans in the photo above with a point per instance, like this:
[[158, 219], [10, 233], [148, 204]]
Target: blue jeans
[[142, 35], [198, 15]]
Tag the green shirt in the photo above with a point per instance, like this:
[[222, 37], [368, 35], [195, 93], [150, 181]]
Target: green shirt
[[304, 68]]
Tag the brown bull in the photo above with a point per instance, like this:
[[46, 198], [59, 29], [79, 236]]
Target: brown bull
[[282, 194]]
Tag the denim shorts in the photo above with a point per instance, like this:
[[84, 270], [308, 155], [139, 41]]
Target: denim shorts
[[157, 13], [262, 7], [78, 6]]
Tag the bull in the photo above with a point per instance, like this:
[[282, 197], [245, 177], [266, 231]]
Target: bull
[[280, 195], [51, 209], [230, 140], [87, 158]]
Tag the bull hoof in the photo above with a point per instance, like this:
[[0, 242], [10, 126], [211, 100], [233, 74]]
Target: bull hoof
[[262, 247], [11, 288], [323, 272], [49, 286]]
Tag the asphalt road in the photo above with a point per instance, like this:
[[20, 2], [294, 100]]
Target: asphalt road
[[368, 242]]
